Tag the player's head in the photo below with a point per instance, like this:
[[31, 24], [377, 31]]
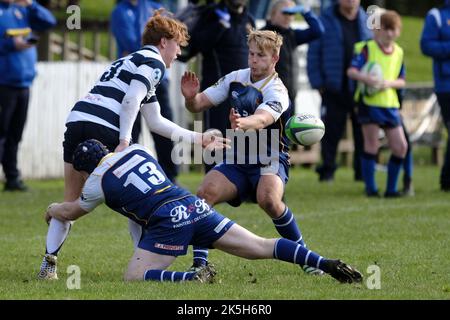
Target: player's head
[[166, 33], [390, 27], [263, 52], [88, 154]]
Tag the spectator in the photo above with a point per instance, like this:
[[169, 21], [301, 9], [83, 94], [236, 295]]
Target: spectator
[[128, 21], [380, 109], [328, 59], [18, 57], [435, 43], [281, 16], [221, 37]]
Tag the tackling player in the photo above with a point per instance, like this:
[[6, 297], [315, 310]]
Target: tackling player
[[132, 183]]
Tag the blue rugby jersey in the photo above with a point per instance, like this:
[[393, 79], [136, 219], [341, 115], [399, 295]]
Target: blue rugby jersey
[[103, 103], [132, 183], [246, 97]]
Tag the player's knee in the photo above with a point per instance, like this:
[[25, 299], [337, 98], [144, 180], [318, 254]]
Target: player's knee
[[273, 207], [400, 150]]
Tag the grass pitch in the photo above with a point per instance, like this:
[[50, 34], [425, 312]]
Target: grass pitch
[[408, 239]]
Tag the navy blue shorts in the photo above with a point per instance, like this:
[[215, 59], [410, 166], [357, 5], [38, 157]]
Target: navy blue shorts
[[384, 117], [180, 223], [246, 178]]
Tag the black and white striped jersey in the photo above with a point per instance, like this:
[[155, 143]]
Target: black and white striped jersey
[[103, 103]]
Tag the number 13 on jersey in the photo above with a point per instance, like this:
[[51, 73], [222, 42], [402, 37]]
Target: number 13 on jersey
[[146, 176]]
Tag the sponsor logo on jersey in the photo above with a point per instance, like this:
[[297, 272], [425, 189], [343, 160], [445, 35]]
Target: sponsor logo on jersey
[[156, 75], [275, 106], [218, 82]]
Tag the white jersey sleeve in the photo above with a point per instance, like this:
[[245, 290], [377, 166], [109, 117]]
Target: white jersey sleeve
[[218, 92], [276, 99], [92, 194]]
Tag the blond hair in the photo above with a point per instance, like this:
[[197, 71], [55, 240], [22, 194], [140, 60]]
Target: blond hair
[[164, 26], [266, 40]]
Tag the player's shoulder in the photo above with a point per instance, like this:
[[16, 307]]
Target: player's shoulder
[[276, 85], [148, 55], [241, 75]]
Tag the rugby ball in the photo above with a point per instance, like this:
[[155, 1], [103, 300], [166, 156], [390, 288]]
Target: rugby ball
[[304, 129], [373, 69]]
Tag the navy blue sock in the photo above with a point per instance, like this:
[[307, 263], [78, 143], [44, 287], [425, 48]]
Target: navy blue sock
[[200, 256], [408, 164], [368, 163], [394, 166], [287, 227], [164, 275], [289, 251]]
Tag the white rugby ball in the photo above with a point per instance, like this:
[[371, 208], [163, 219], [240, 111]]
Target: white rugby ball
[[373, 69]]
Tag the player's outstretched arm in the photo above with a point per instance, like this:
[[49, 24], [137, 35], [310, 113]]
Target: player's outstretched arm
[[168, 129], [66, 211], [194, 100], [261, 119]]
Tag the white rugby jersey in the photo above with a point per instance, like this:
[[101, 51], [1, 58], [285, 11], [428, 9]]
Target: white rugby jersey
[[275, 98], [103, 103]]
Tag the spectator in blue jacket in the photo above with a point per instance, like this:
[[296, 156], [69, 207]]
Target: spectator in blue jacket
[[282, 14], [328, 59], [128, 21], [435, 42], [18, 57]]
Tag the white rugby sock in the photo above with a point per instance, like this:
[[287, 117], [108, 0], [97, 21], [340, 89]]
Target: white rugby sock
[[135, 232], [57, 234]]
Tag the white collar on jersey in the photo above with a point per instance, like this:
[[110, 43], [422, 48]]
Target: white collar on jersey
[[151, 47]]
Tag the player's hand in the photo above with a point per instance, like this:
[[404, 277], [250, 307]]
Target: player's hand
[[224, 17], [21, 44], [190, 85], [373, 81], [386, 84], [234, 119], [212, 139], [122, 145], [47, 215]]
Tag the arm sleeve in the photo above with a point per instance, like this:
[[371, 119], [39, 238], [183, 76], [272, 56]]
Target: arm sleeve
[[123, 31], [166, 128], [359, 59], [276, 101], [142, 89], [314, 31], [430, 43], [40, 19], [130, 107], [92, 193], [218, 92]]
